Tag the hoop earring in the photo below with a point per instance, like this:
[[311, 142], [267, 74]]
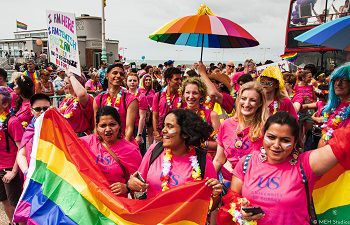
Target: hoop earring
[[262, 155], [294, 159]]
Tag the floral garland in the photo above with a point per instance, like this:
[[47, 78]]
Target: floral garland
[[275, 106], [3, 117], [237, 215], [169, 102], [327, 131], [166, 166], [208, 103], [323, 92], [116, 103], [68, 100]]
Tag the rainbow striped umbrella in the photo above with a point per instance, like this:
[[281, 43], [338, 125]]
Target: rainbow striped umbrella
[[204, 30]]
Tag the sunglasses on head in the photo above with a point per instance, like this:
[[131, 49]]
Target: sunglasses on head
[[266, 83], [39, 109]]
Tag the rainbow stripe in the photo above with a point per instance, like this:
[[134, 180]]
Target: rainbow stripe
[[332, 196], [65, 186], [21, 25], [291, 57]]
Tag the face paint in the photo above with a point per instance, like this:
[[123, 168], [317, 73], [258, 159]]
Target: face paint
[[171, 132], [286, 146], [267, 140]]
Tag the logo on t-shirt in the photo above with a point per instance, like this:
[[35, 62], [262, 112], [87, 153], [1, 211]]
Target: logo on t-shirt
[[270, 183]]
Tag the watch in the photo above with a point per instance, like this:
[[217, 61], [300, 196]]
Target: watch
[[139, 135]]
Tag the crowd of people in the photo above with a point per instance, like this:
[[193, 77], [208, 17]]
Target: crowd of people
[[158, 127]]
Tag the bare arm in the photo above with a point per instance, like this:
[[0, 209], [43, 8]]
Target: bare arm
[[79, 90], [212, 91], [236, 185], [322, 160], [130, 119], [142, 122], [219, 158], [95, 107], [22, 160]]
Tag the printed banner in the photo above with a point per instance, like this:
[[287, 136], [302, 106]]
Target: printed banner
[[283, 65], [65, 186], [63, 41]]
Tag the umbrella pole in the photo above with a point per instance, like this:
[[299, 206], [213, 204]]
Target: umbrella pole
[[202, 47]]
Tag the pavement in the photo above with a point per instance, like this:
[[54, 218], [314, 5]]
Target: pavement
[[3, 217]]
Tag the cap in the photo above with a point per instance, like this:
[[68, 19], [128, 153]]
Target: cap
[[170, 62], [49, 68]]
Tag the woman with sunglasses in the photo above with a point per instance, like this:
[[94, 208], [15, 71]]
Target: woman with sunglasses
[[76, 107], [118, 97], [249, 68], [11, 132], [39, 104], [44, 85], [271, 79], [335, 113]]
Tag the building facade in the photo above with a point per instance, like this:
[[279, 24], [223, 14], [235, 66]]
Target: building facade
[[33, 43]]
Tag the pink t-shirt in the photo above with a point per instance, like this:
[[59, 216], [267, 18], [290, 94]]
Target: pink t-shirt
[[234, 79], [320, 105], [91, 85], [235, 147], [142, 105], [162, 106], [180, 172], [15, 130], [227, 102], [277, 188], [14, 97], [125, 100], [82, 115], [127, 152], [303, 94], [149, 96], [24, 114], [285, 105]]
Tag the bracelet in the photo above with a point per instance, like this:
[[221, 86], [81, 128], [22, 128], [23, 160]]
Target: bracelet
[[127, 187]]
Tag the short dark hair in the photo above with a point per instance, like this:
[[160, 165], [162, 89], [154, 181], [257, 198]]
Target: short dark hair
[[193, 129], [108, 111], [25, 85], [312, 68], [284, 118], [110, 67], [3, 74], [143, 66], [39, 96], [169, 73], [245, 78]]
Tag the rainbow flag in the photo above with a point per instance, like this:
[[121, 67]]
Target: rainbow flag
[[21, 25], [291, 57], [331, 196], [65, 186]]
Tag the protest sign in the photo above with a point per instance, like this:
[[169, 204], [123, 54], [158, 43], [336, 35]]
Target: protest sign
[[62, 40], [283, 65]]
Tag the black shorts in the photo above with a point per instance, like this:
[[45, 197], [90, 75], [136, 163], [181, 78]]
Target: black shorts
[[11, 191]]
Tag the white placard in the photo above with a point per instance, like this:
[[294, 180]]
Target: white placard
[[63, 41], [283, 65]]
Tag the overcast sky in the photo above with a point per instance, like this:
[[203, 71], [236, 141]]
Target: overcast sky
[[132, 21]]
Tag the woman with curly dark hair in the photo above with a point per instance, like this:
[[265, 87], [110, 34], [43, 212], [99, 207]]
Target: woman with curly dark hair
[[178, 158]]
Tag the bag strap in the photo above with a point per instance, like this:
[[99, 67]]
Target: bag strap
[[7, 135], [158, 149], [115, 157], [310, 203]]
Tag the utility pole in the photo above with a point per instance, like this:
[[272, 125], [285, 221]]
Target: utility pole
[[103, 54]]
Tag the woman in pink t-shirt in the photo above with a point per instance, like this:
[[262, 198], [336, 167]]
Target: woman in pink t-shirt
[[117, 97], [273, 178], [132, 83], [241, 134], [76, 107], [44, 86], [193, 93], [116, 157], [271, 79], [146, 88], [93, 85], [304, 91], [177, 159]]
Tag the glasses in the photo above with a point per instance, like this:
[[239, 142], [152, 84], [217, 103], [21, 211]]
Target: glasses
[[341, 80], [266, 83], [231, 66], [39, 109]]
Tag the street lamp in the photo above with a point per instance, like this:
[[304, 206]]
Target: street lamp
[[103, 54]]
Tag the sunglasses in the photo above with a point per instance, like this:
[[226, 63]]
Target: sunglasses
[[266, 83], [39, 109], [231, 66]]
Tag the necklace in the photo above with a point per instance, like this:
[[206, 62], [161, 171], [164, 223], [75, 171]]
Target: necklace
[[208, 104], [166, 166], [170, 102], [3, 117], [200, 112], [327, 130], [116, 103], [69, 100]]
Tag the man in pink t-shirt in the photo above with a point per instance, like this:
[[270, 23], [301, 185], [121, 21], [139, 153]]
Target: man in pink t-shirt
[[166, 100]]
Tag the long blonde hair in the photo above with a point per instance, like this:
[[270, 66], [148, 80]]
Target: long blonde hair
[[261, 114]]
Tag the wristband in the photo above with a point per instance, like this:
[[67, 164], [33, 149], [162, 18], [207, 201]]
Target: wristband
[[127, 187]]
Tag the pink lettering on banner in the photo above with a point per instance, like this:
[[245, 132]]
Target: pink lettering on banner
[[65, 21]]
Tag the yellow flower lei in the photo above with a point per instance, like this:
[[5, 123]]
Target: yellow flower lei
[[116, 103], [68, 100]]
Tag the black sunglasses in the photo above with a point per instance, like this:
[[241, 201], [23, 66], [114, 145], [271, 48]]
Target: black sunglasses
[[39, 109]]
